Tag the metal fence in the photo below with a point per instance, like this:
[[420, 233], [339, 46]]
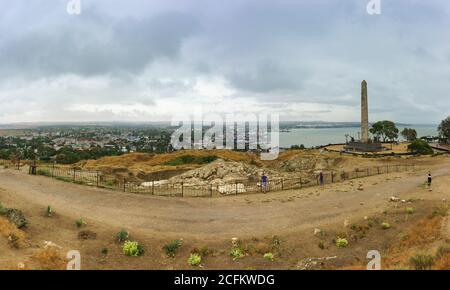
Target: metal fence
[[161, 188]]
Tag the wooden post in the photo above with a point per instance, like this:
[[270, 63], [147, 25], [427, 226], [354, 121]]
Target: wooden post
[[301, 184], [74, 174], [282, 184], [378, 170], [332, 177], [97, 179], [153, 187], [182, 189], [210, 190], [236, 184]]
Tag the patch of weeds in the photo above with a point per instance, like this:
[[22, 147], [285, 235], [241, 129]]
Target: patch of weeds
[[276, 241], [172, 247], [321, 245], [409, 210], [122, 236], [422, 262], [204, 251], [104, 251], [341, 243], [132, 248], [385, 226], [79, 223], [236, 253], [49, 211], [194, 260], [14, 241], [442, 251], [15, 216], [268, 256], [440, 211]]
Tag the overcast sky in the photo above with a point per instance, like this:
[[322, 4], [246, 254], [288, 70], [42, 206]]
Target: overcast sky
[[147, 60]]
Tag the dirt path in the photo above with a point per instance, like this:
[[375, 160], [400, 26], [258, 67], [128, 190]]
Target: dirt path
[[213, 218]]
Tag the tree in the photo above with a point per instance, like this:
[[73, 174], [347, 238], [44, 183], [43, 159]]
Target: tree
[[420, 146], [409, 134], [444, 129], [386, 130]]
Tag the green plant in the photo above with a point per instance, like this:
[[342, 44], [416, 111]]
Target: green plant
[[194, 259], [385, 226], [409, 210], [421, 147], [132, 248], [440, 211], [341, 243], [80, 223], [442, 251], [172, 247], [236, 253], [321, 245], [15, 216], [422, 262], [268, 256], [49, 211], [104, 251], [122, 236]]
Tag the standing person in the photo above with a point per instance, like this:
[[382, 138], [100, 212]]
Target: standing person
[[321, 178], [429, 180], [264, 182]]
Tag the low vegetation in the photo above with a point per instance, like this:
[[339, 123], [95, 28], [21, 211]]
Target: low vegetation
[[122, 236], [236, 253], [268, 256], [421, 147], [171, 248], [79, 223], [385, 226], [341, 242], [132, 248], [422, 261], [189, 159], [194, 259]]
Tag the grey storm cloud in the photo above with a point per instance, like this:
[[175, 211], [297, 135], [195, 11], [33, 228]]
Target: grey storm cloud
[[272, 52], [93, 45]]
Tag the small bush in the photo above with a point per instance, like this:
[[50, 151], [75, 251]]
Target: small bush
[[422, 262], [421, 147], [79, 223], [442, 251], [132, 248], [268, 256], [321, 245], [104, 251], [194, 259], [236, 253], [341, 243], [409, 210], [122, 236], [385, 226], [16, 217], [440, 211], [172, 247], [49, 211]]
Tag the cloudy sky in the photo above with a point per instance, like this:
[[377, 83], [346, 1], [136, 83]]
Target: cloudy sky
[[147, 60]]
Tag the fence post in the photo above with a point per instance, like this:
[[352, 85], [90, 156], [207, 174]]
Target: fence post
[[210, 190], [97, 179], [124, 185], [301, 184], [235, 183], [378, 170], [356, 171], [282, 183], [332, 177], [153, 187], [182, 189], [74, 174]]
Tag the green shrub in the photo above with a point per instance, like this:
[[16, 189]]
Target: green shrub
[[49, 211], [194, 259], [422, 262], [341, 243], [268, 256], [189, 159], [80, 223], [104, 251], [421, 147], [122, 236], [409, 210], [172, 247], [236, 253], [385, 226], [132, 248], [321, 245]]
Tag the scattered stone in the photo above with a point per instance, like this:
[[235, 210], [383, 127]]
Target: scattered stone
[[48, 244], [317, 232], [346, 223]]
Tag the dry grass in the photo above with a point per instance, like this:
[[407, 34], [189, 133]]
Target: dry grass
[[49, 259], [16, 237]]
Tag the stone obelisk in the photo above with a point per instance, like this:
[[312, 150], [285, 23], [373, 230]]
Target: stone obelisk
[[364, 114]]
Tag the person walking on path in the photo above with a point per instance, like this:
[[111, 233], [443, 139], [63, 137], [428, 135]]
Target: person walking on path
[[264, 182], [321, 178], [429, 180]]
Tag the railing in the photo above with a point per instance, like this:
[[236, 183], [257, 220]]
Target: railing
[[163, 188]]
